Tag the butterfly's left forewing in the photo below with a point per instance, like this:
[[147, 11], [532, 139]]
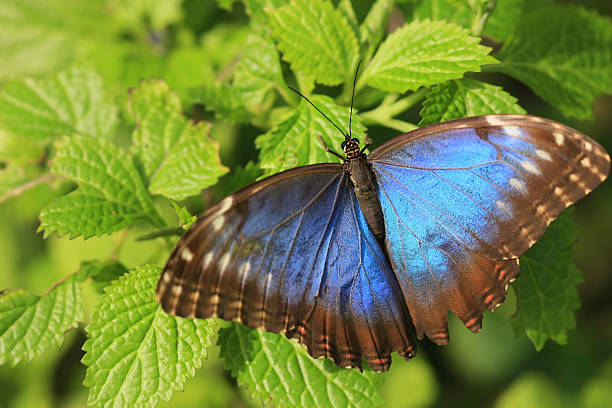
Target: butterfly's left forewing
[[293, 254], [464, 199]]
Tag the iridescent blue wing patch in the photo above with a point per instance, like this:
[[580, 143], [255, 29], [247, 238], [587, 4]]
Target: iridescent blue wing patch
[[293, 254], [464, 199]]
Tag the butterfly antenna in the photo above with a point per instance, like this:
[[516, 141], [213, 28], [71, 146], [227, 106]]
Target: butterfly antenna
[[353, 98], [319, 110]]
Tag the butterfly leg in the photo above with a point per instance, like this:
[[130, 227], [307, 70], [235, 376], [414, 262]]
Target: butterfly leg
[[367, 143], [328, 150]]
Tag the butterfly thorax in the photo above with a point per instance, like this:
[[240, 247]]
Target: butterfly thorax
[[364, 186]]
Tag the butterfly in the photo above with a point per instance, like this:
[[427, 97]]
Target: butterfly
[[354, 259]]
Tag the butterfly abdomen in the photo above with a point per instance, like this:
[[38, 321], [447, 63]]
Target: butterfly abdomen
[[364, 186]]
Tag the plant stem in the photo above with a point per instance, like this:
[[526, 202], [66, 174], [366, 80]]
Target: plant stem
[[165, 232], [390, 107], [24, 187], [480, 15]]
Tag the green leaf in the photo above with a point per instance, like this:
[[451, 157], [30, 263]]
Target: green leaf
[[346, 8], [258, 72], [374, 26], [155, 14], [564, 54], [178, 158], [223, 99], [500, 25], [70, 102], [421, 377], [257, 9], [30, 324], [507, 14], [240, 177], [184, 216], [465, 97], [225, 4], [596, 392], [316, 40], [41, 36], [21, 165], [275, 369], [454, 11], [102, 273], [424, 53], [532, 390], [111, 195], [136, 353], [546, 288], [294, 142]]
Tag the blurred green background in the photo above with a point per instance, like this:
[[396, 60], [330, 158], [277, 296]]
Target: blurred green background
[[189, 43]]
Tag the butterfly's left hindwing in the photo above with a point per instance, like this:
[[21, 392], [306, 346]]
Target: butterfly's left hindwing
[[464, 199], [293, 254]]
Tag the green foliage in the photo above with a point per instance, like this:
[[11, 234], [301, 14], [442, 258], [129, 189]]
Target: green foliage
[[546, 287], [111, 194], [184, 216], [563, 54], [102, 273], [136, 353], [67, 103], [465, 97], [316, 39], [424, 53], [39, 36], [531, 390], [168, 147], [29, 324], [258, 72], [220, 92], [273, 367], [294, 142]]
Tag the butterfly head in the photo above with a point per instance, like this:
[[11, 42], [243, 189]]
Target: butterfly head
[[351, 147]]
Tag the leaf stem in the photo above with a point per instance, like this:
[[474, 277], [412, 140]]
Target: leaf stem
[[164, 232], [25, 187], [392, 106], [480, 15]]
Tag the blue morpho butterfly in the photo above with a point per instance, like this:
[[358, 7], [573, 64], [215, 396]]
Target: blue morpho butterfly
[[350, 259]]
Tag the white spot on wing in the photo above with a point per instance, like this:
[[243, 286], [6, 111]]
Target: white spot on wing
[[218, 223], [503, 206], [543, 154], [513, 131], [177, 290], [225, 205], [588, 146], [530, 167], [494, 121], [207, 259], [166, 277], [518, 185], [186, 254], [225, 260], [586, 162], [559, 138]]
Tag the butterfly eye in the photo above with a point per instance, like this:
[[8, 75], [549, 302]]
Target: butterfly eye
[[343, 145], [355, 140]]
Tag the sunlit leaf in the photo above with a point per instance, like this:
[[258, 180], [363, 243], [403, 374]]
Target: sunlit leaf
[[546, 288], [111, 194], [136, 353], [277, 370], [424, 53], [466, 97]]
